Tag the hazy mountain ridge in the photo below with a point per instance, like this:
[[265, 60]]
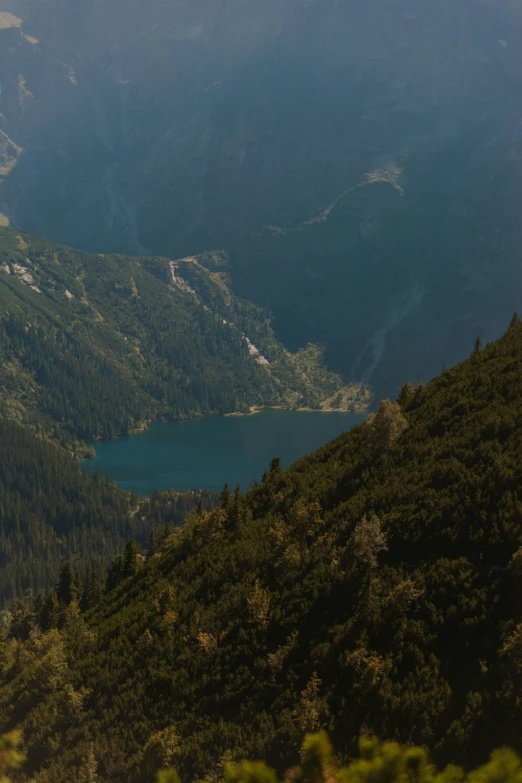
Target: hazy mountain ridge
[[199, 125]]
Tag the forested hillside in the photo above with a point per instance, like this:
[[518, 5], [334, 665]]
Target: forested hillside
[[95, 346], [371, 587], [318, 764], [51, 512]]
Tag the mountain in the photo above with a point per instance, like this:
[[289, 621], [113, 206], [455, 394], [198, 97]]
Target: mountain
[[371, 587], [96, 346], [50, 512], [359, 161]]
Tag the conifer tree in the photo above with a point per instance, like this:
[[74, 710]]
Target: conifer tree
[[236, 508], [21, 621], [114, 573], [225, 497], [68, 586], [165, 533], [130, 562], [276, 467], [406, 394], [388, 425], [78, 586], [88, 770], [367, 541], [151, 549], [92, 588], [38, 605], [477, 346], [50, 615]]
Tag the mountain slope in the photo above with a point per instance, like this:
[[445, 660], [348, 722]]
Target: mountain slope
[[370, 587], [94, 346], [50, 512], [250, 126]]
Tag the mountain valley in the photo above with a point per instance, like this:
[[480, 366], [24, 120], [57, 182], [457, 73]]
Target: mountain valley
[[307, 210], [371, 588], [341, 153]]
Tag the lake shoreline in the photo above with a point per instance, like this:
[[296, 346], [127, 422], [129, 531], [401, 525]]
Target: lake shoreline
[[255, 409], [252, 411], [209, 451]]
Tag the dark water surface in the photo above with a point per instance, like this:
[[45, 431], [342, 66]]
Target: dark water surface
[[205, 453]]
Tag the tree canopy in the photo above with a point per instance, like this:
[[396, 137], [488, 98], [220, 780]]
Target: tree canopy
[[369, 588]]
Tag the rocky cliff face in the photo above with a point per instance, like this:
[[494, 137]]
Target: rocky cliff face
[[360, 160]]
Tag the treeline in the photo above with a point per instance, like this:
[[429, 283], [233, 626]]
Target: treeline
[[95, 346], [50, 512], [371, 587]]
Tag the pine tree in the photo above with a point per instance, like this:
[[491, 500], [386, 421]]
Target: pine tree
[[114, 573], [88, 770], [387, 426], [21, 621], [151, 549], [406, 394], [236, 508], [92, 588], [225, 497], [68, 588], [165, 533], [38, 605], [130, 562], [276, 467], [477, 347], [50, 615], [78, 586], [367, 541]]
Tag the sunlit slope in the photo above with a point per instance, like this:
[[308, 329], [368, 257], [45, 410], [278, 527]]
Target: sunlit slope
[[368, 588]]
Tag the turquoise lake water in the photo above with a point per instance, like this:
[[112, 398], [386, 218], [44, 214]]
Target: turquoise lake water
[[205, 453]]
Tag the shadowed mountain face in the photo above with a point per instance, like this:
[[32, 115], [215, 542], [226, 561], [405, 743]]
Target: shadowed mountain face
[[94, 346], [360, 161]]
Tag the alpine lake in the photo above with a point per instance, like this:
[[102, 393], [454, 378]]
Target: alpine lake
[[206, 453]]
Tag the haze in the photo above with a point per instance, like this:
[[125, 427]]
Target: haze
[[360, 162]]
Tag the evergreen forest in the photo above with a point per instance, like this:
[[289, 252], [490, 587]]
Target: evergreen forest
[[369, 589], [96, 346], [51, 512], [211, 208]]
